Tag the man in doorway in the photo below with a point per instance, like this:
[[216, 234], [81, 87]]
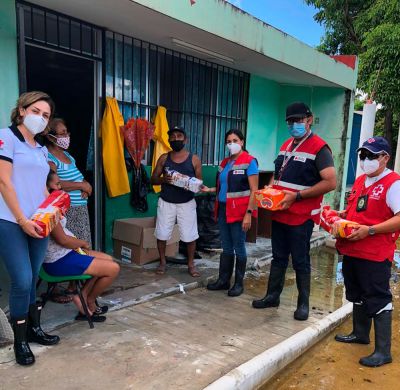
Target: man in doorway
[[374, 203], [304, 170], [176, 203]]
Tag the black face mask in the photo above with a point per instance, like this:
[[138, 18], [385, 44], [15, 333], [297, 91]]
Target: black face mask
[[177, 145]]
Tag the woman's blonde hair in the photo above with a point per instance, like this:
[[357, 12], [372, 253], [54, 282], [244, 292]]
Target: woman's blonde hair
[[27, 99]]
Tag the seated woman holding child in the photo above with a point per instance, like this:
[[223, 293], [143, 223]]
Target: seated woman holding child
[[68, 255]]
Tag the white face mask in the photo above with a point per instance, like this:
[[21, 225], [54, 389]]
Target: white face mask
[[369, 166], [62, 142], [234, 148], [35, 123]]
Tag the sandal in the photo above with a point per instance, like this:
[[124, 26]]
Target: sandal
[[161, 269], [193, 271], [59, 297], [94, 318], [101, 310]]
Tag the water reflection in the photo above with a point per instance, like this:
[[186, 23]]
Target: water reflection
[[327, 290]]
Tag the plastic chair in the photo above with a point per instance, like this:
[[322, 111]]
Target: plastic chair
[[52, 283]]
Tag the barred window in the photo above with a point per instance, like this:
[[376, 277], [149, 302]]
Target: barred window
[[205, 98]]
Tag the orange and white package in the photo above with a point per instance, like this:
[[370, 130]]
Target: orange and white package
[[345, 228], [328, 218], [50, 212], [269, 198]]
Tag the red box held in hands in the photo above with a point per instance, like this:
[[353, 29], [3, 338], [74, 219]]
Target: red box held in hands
[[50, 212]]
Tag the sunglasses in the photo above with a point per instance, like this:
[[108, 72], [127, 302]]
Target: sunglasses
[[294, 120], [369, 155]]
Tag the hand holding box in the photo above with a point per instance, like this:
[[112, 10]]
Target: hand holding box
[[50, 212]]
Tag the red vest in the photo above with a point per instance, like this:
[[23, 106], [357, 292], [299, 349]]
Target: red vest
[[299, 174], [378, 247], [238, 194]]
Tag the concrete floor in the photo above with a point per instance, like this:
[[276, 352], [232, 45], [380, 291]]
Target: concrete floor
[[136, 284], [183, 341]]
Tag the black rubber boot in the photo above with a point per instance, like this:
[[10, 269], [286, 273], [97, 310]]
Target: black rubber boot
[[35, 332], [23, 354], [303, 286], [361, 327], [226, 263], [276, 282], [240, 271], [383, 340]]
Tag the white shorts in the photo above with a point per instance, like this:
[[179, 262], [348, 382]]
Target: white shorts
[[182, 213]]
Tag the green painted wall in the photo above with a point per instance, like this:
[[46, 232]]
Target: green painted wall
[[328, 107], [267, 128], [119, 207], [222, 19], [262, 121], [8, 60]]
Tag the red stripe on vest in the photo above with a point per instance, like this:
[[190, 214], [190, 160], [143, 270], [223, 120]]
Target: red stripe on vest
[[236, 207], [378, 247]]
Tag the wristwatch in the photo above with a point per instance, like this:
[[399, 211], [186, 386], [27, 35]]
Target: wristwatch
[[249, 211], [298, 196], [371, 231]]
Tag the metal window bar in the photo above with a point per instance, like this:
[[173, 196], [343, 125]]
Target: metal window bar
[[200, 96], [39, 17]]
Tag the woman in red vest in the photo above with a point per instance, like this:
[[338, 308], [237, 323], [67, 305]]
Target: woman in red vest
[[237, 180], [374, 203]]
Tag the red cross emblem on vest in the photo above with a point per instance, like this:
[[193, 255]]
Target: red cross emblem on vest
[[1, 144], [378, 190]]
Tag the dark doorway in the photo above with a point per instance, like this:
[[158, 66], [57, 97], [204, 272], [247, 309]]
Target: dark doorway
[[69, 80]]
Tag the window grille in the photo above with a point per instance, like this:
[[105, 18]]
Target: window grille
[[205, 98]]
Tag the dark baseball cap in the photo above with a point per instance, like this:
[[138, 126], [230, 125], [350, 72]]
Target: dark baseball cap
[[376, 145], [177, 129], [297, 110]]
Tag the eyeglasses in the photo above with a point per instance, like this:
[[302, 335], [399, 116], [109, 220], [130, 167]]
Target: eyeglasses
[[295, 120], [369, 155]]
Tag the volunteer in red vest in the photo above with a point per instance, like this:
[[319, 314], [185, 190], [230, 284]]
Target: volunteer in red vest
[[304, 171], [237, 181], [374, 203]]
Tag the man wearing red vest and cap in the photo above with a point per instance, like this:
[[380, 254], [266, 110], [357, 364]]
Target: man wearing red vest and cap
[[374, 203], [304, 170]]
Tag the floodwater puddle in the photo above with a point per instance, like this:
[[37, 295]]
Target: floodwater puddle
[[330, 365], [327, 290]]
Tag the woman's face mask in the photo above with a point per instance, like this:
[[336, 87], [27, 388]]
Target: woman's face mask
[[234, 148], [62, 142], [35, 123], [370, 162]]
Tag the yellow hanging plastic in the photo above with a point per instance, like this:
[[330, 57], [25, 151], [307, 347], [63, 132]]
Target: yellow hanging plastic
[[115, 172], [161, 139]]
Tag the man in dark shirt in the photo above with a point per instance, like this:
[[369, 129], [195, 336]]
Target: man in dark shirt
[[304, 171], [175, 203]]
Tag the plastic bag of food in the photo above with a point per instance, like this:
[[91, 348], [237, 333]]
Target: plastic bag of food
[[330, 217], [188, 183]]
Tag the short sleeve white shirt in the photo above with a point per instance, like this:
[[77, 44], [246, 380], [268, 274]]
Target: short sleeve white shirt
[[29, 172], [55, 251], [393, 193]]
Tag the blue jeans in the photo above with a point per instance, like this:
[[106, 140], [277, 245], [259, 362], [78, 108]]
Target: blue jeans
[[292, 240], [23, 256], [233, 237]]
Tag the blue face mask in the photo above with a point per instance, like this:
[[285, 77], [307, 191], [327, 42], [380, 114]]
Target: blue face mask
[[297, 130]]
